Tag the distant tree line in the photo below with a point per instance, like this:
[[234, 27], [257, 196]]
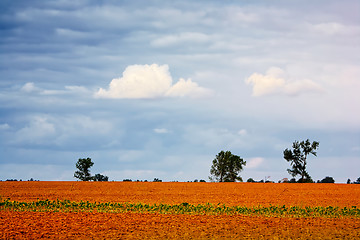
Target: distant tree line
[[158, 180], [201, 180], [356, 182], [251, 180], [226, 167], [15, 180], [293, 180], [130, 180], [83, 173]]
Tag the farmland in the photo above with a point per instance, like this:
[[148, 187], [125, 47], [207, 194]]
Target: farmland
[[134, 210]]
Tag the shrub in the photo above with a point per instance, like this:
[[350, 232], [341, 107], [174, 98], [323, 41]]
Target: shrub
[[328, 180], [250, 180]]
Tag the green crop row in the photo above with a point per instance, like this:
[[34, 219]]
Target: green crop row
[[183, 208]]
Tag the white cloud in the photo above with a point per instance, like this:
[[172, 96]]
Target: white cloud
[[150, 81], [242, 132], [274, 82], [38, 130], [44, 130], [254, 162], [139, 81], [335, 28], [355, 149], [187, 88], [215, 137], [29, 87], [4, 126], [161, 130], [266, 84], [303, 86], [186, 37], [239, 15], [77, 89], [71, 34], [328, 28]]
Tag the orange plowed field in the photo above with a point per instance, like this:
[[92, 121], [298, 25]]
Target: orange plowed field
[[96, 225], [244, 194], [36, 225]]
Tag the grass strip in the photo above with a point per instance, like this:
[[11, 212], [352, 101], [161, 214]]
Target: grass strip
[[183, 208]]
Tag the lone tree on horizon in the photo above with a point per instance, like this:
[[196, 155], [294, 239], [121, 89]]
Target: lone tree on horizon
[[84, 165], [226, 167], [298, 157]]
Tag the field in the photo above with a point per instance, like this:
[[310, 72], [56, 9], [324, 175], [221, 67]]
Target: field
[[133, 210]]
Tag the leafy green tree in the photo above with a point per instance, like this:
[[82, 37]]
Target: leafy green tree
[[101, 178], [298, 158], [84, 165], [226, 167]]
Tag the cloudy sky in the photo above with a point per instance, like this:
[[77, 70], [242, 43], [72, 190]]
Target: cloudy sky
[[155, 89]]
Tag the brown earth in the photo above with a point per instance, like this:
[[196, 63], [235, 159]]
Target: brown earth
[[85, 225], [95, 225], [242, 194]]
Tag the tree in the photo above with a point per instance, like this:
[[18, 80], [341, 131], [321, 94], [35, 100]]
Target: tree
[[328, 180], [84, 164], [250, 180], [293, 180], [226, 167], [298, 156], [357, 181], [101, 178]]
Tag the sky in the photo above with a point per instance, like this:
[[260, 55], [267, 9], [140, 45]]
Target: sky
[[156, 89]]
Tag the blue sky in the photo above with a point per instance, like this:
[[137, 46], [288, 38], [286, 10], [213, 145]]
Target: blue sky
[[155, 89]]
